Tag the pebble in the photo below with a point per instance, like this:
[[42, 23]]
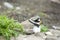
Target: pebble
[[8, 5], [18, 8], [48, 33]]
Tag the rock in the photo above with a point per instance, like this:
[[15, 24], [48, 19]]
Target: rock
[[12, 38], [50, 39], [42, 35], [8, 5], [56, 27], [48, 33], [29, 37], [2, 38], [56, 1], [58, 38], [55, 36], [25, 37], [32, 37], [18, 8], [55, 32]]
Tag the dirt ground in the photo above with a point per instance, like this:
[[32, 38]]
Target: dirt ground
[[30, 8]]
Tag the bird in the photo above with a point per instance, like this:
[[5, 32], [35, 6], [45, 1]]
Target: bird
[[36, 22]]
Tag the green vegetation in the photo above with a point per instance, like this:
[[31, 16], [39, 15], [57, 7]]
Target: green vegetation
[[43, 28], [43, 14], [9, 27]]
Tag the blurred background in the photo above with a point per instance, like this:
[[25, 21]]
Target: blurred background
[[21, 10]]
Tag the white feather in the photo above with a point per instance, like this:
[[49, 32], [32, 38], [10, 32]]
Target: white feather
[[36, 29]]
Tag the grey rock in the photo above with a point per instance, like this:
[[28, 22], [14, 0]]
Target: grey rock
[[50, 39], [55, 32], [42, 35], [56, 27], [48, 33], [2, 38], [58, 38], [25, 37], [55, 36], [8, 5], [56, 1], [29, 37]]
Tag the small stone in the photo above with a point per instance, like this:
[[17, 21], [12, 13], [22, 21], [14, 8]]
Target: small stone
[[48, 33], [54, 27], [18, 8], [8, 5], [56, 1]]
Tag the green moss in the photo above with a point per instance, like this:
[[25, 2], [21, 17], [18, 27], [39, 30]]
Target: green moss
[[8, 27], [43, 28]]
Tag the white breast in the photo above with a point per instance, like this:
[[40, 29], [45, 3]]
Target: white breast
[[36, 29]]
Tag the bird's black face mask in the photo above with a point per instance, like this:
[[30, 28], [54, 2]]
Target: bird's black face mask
[[37, 20]]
